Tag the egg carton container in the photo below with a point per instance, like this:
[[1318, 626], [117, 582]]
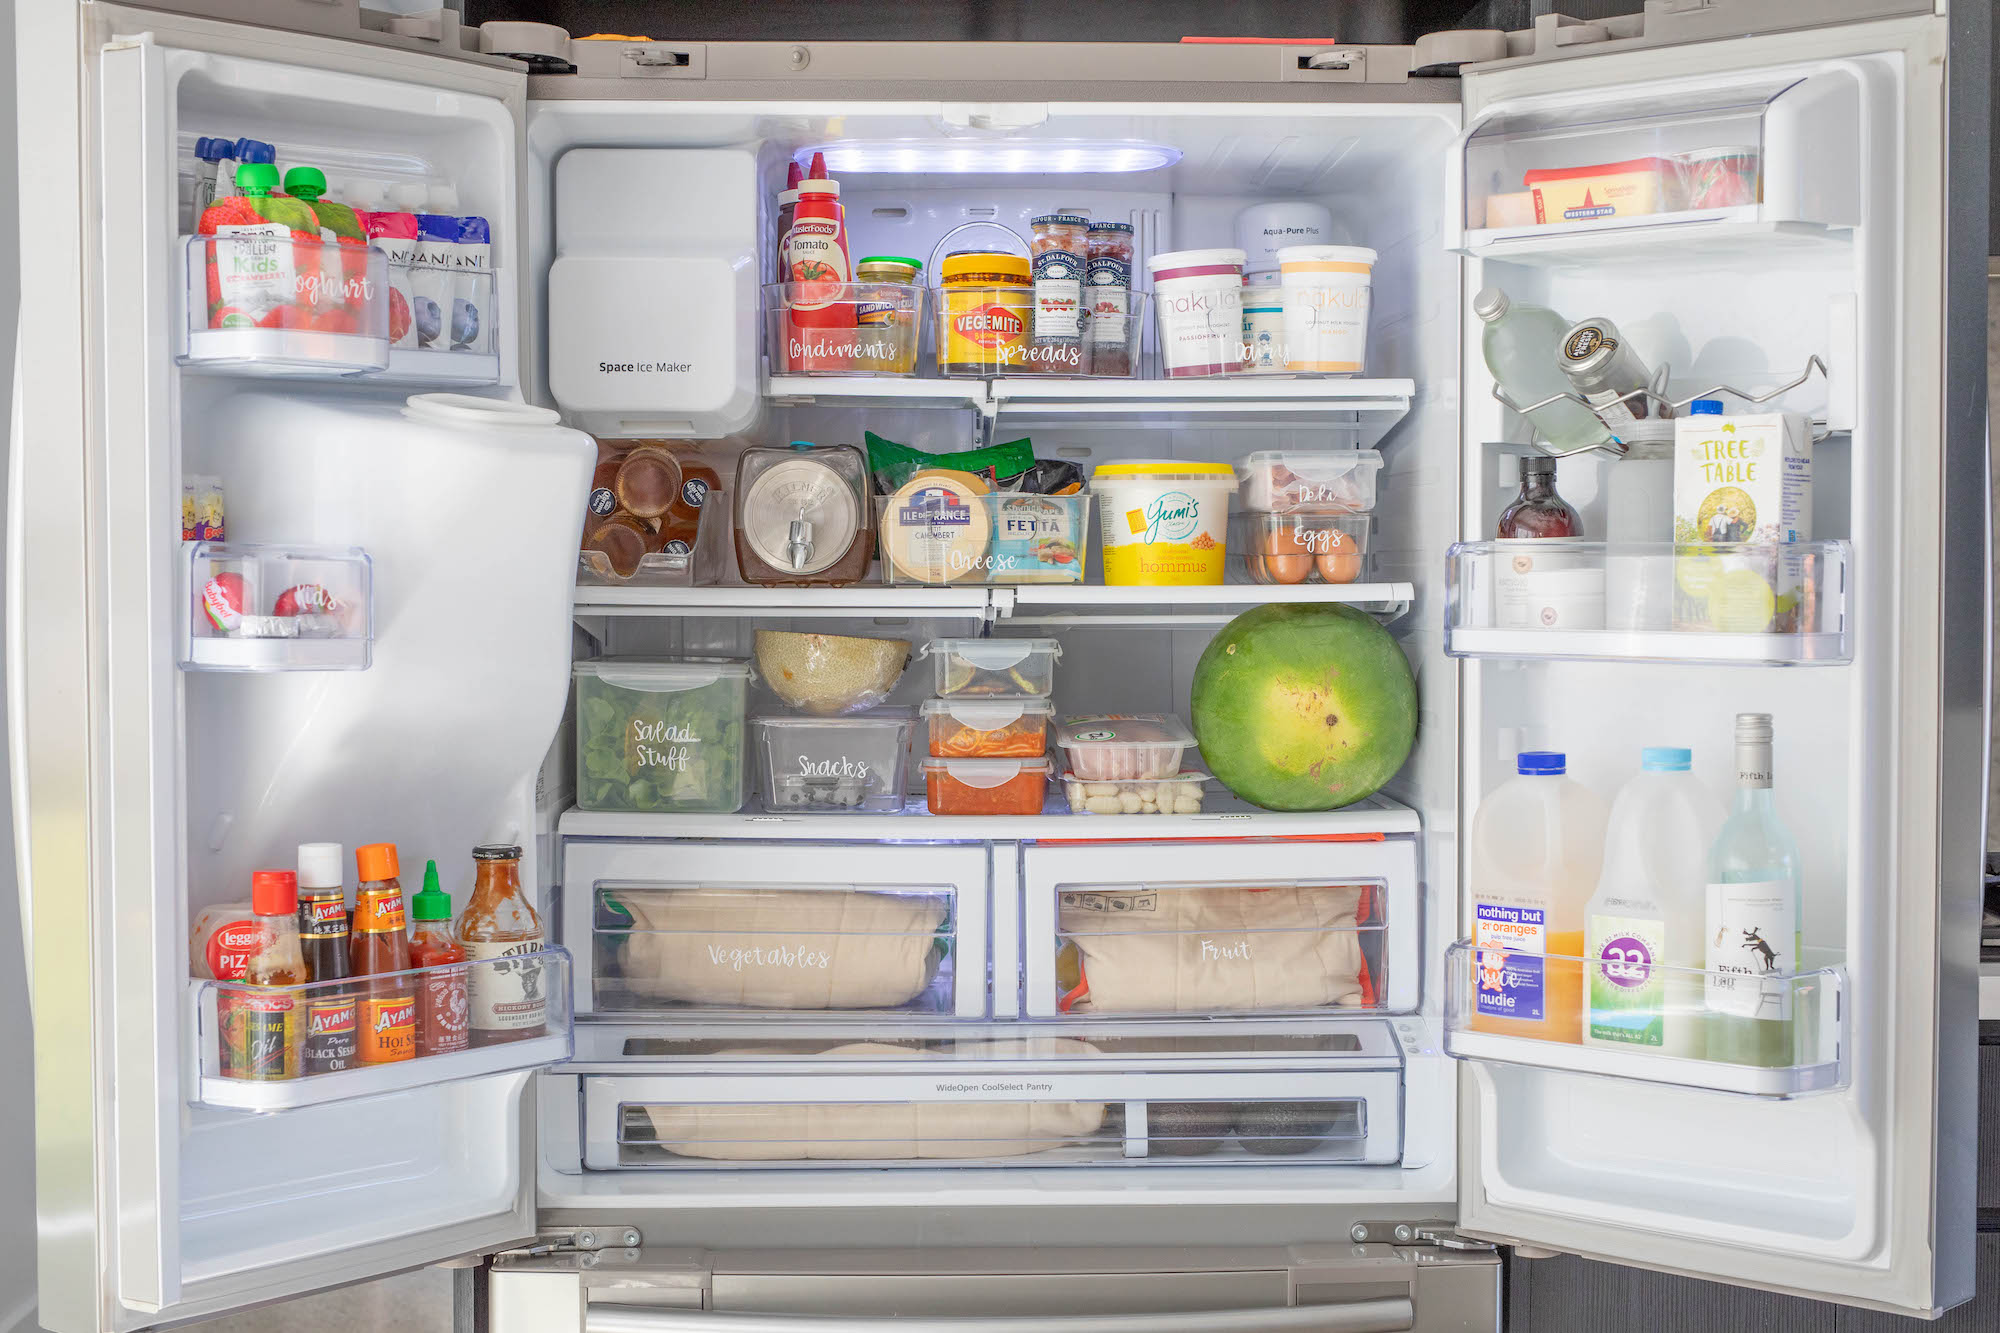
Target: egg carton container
[[1304, 548], [1181, 794], [1119, 747]]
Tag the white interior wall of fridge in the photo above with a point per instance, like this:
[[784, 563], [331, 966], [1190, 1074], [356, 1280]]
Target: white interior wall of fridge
[[1800, 1176], [1380, 169], [431, 748]]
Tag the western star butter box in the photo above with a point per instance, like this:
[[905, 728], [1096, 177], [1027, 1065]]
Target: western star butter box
[[1742, 494]]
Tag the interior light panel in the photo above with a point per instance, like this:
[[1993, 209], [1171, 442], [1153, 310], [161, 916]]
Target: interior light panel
[[990, 157]]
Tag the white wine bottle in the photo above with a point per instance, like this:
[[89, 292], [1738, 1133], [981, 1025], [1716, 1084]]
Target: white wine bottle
[[1523, 345], [1753, 916]]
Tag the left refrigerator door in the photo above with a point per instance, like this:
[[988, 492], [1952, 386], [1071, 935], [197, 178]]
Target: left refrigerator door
[[147, 784]]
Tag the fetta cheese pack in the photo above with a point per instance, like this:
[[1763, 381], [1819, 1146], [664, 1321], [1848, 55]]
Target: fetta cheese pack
[[1609, 189]]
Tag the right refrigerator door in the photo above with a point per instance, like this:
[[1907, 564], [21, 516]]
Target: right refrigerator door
[[1777, 490]]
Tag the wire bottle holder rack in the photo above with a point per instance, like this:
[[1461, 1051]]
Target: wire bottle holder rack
[[1651, 395]]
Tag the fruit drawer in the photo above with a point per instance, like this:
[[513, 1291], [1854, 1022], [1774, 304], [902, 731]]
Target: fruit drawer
[[671, 929], [1116, 931]]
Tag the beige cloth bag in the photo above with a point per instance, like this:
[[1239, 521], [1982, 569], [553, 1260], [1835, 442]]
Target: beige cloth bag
[[780, 949], [1216, 949], [882, 1131]]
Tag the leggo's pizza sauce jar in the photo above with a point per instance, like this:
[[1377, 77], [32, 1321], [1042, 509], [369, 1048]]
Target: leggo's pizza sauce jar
[[983, 312]]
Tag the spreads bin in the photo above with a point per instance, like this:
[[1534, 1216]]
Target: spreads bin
[[665, 736], [1164, 522]]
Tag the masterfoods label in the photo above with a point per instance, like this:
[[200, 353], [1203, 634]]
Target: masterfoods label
[[1512, 941], [509, 993], [1751, 935], [1627, 988]]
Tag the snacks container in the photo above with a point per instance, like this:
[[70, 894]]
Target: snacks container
[[942, 527], [803, 515], [983, 312], [994, 668], [874, 330], [988, 728], [1118, 747], [1301, 548], [986, 786], [843, 765], [1309, 481], [1165, 522], [1180, 794], [661, 736], [1198, 297], [1326, 291]]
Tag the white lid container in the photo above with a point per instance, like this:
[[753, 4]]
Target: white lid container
[[1327, 295], [1262, 230], [1198, 310], [842, 765], [1309, 481], [1119, 747], [994, 667]]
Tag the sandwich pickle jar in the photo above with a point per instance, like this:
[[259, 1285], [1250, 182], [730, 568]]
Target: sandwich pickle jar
[[887, 300], [984, 308]]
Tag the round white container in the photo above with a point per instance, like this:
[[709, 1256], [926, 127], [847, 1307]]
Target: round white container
[[1566, 599], [1326, 307], [1163, 522], [1198, 301], [1264, 229], [1264, 325]]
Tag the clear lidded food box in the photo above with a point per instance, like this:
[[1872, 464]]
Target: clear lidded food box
[[986, 786], [661, 736], [994, 668], [1309, 481], [1180, 794], [845, 765], [1117, 747], [1302, 548], [964, 728]]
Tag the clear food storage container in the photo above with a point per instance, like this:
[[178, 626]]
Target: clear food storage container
[[1302, 548], [1117, 747], [985, 786], [1180, 794], [848, 765], [988, 728], [661, 736], [843, 328], [995, 668], [1309, 481]]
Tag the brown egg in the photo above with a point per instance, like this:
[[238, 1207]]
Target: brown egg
[[1283, 559], [1342, 565]]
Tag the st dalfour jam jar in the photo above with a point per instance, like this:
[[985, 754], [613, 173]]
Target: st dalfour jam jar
[[1060, 250], [1198, 295], [803, 516], [984, 308]]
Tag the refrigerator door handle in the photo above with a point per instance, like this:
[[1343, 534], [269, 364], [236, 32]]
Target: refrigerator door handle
[[1391, 1315], [16, 650]]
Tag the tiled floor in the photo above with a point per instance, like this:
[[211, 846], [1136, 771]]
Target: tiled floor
[[418, 1302]]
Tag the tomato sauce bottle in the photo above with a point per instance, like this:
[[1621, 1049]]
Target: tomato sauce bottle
[[381, 946], [509, 995], [443, 1016], [816, 256], [260, 1019]]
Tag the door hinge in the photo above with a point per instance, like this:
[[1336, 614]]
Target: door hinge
[[1441, 1234], [577, 1240]]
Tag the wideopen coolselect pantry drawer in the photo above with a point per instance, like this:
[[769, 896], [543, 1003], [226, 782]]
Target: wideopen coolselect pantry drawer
[[984, 1111], [1179, 929], [676, 928]]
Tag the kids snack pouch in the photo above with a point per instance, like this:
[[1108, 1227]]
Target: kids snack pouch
[[340, 290], [470, 292], [254, 273], [395, 234], [431, 273]]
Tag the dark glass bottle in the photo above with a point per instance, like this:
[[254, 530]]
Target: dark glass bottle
[[1538, 511]]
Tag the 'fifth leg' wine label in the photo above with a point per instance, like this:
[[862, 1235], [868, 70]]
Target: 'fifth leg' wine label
[[1751, 935]]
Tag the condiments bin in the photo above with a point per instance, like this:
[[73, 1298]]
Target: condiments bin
[[963, 728], [1309, 481], [1119, 747], [994, 668], [843, 328], [939, 528], [661, 736], [1165, 522], [843, 765], [986, 786], [1302, 548]]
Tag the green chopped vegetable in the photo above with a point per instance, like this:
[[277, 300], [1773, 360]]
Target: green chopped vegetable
[[677, 750]]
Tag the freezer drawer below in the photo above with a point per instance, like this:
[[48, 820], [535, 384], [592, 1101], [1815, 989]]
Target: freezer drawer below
[[1330, 1289]]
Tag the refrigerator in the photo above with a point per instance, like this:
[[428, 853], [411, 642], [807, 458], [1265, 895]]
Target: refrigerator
[[986, 1154]]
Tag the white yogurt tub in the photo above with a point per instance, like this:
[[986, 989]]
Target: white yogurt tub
[[1326, 307], [1198, 302], [1163, 522]]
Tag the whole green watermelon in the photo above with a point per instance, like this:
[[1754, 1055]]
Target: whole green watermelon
[[1304, 707]]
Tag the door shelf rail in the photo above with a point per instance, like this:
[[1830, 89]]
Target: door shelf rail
[[1791, 1025], [227, 1019], [1728, 603]]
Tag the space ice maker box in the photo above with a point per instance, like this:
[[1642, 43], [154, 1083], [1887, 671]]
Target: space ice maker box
[[653, 292]]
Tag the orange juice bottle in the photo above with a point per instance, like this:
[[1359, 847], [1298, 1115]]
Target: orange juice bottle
[[1537, 847]]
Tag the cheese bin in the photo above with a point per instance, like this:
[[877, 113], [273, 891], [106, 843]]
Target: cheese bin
[[944, 527]]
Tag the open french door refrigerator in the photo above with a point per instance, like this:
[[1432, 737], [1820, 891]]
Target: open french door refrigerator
[[989, 1150]]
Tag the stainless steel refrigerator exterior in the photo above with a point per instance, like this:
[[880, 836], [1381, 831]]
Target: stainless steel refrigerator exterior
[[88, 730]]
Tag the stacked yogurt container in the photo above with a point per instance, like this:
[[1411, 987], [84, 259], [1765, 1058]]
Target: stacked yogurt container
[[1305, 298], [986, 729], [1306, 514]]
